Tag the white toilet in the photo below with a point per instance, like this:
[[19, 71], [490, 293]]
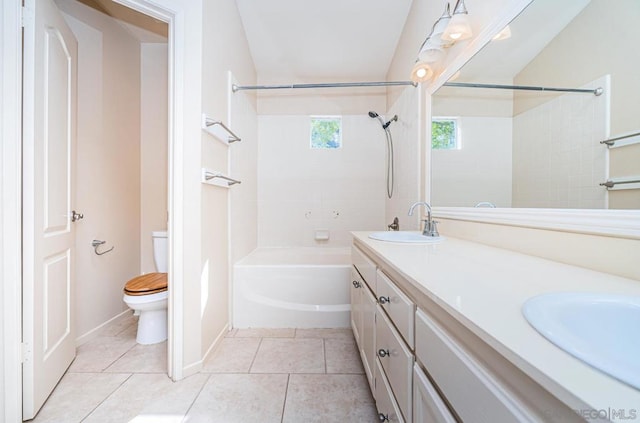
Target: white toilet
[[147, 295]]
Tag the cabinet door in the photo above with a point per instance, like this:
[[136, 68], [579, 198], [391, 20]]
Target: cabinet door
[[368, 333], [356, 309], [428, 407], [472, 391], [388, 410]]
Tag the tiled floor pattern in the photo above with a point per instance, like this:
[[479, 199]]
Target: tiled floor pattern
[[255, 375]]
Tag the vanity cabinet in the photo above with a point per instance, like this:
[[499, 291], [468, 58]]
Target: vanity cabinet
[[423, 365]]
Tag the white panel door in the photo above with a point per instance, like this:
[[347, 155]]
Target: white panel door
[[50, 63]]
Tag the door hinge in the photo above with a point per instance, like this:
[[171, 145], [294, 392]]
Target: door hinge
[[27, 14], [27, 354]]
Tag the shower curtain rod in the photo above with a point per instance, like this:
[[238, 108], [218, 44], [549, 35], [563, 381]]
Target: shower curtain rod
[[235, 87], [598, 91]]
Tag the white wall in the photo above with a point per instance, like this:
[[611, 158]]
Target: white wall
[[243, 165], [108, 163], [302, 189], [558, 160], [480, 170], [407, 159], [224, 49], [153, 147]]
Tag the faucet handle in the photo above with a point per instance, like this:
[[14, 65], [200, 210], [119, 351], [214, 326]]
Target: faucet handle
[[433, 231]]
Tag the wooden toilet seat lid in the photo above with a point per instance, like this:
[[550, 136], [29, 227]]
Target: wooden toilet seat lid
[[151, 283]]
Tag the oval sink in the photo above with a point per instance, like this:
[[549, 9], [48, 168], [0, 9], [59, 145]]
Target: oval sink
[[599, 329], [405, 236]]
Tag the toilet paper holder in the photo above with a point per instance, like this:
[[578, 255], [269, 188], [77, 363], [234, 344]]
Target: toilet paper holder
[[96, 243]]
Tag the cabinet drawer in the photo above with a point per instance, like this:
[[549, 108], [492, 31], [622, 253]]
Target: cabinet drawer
[[397, 305], [365, 266], [427, 404], [397, 361], [388, 410], [471, 391]]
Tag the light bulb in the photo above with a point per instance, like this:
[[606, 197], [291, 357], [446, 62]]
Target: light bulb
[[421, 72], [458, 28]]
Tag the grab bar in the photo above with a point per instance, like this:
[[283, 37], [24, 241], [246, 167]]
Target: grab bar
[[612, 141], [232, 136], [230, 181]]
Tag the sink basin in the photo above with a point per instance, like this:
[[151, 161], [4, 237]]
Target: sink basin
[[405, 236], [599, 329]]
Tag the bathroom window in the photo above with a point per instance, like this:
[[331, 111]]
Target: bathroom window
[[445, 133], [326, 132]]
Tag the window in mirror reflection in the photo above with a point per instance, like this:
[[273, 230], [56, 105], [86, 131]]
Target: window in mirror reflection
[[445, 133]]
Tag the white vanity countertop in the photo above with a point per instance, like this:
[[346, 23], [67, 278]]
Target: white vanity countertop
[[484, 288]]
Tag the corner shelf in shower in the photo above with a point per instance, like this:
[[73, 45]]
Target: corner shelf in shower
[[214, 177], [219, 130]]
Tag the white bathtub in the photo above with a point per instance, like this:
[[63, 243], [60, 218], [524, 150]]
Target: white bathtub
[[292, 288]]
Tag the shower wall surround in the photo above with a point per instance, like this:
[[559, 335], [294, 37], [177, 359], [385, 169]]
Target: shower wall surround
[[302, 190], [407, 154], [558, 160]]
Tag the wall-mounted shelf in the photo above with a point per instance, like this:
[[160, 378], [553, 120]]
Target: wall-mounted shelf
[[213, 177], [219, 130]]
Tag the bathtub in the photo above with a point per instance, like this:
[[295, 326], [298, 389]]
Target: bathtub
[[292, 288]]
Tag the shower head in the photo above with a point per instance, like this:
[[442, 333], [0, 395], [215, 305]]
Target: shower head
[[374, 115]]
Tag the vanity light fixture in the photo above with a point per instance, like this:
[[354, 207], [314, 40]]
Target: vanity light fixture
[[432, 49], [458, 28], [446, 31]]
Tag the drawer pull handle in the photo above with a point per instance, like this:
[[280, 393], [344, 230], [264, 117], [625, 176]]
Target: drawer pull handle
[[383, 353], [383, 417], [356, 284], [384, 300]]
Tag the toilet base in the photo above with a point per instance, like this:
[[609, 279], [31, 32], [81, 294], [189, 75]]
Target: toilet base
[[152, 327]]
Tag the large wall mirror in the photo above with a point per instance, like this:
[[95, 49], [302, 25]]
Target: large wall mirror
[[542, 149]]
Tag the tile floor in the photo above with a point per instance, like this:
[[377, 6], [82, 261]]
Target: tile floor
[[255, 375]]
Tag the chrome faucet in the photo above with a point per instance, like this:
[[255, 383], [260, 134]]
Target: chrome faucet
[[430, 225]]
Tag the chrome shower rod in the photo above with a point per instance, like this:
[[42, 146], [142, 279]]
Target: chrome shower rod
[[598, 91], [235, 87]]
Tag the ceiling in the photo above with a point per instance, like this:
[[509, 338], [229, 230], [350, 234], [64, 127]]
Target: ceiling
[[142, 27], [328, 40], [541, 21]]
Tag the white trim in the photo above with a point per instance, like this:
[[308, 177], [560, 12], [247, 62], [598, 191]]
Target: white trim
[[176, 48], [10, 214], [196, 367], [617, 223], [95, 332]]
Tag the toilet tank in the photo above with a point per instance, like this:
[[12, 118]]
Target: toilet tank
[[161, 251]]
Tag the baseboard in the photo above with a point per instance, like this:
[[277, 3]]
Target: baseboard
[[196, 367], [94, 333]]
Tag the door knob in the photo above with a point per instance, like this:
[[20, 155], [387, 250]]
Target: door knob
[[75, 216]]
